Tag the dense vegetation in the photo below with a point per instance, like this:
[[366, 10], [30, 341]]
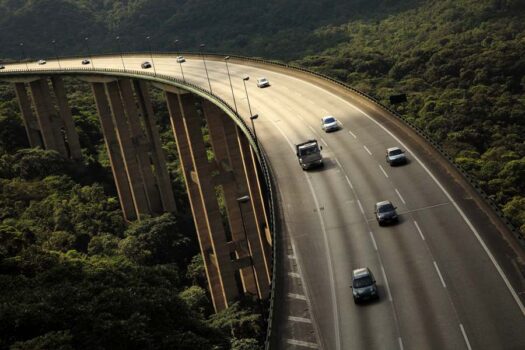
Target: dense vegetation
[[74, 275]]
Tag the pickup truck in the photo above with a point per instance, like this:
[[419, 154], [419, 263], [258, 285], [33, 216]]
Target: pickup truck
[[309, 154]]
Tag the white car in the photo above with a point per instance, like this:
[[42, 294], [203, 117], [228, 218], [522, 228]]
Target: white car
[[395, 156], [41, 62], [329, 123], [181, 59], [262, 82]]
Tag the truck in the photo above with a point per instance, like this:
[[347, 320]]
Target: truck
[[309, 154]]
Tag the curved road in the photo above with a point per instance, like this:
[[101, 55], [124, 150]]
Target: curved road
[[440, 285]]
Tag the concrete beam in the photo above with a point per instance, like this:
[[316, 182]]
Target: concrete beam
[[67, 119], [29, 119], [127, 150], [112, 145], [157, 153]]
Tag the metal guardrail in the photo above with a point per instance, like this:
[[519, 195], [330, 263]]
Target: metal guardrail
[[268, 177]]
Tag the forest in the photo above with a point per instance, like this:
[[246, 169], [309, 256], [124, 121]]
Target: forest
[[62, 236]]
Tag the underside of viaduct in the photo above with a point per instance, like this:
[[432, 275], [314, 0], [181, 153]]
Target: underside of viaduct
[[237, 254]]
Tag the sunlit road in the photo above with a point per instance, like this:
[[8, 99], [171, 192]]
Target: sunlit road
[[440, 286]]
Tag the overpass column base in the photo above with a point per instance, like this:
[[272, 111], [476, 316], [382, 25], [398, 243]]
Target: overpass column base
[[30, 122]]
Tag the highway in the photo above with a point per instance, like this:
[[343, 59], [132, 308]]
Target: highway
[[447, 279]]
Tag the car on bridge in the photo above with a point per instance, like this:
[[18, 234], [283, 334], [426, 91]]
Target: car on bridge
[[181, 59], [395, 156], [363, 285], [385, 213], [329, 123], [86, 61], [145, 65], [41, 62], [262, 82], [2, 66]]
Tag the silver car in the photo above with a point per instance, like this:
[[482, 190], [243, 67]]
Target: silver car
[[41, 62], [181, 59], [262, 82], [395, 156], [329, 123]]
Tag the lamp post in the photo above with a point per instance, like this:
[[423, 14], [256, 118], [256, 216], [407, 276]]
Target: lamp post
[[182, 72], [148, 38], [23, 54], [245, 199], [176, 43], [252, 118], [120, 51], [244, 79], [205, 68], [231, 86], [56, 53], [86, 39]]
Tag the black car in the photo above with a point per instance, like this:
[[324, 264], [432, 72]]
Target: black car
[[385, 213], [2, 67], [363, 285], [85, 61], [145, 65]]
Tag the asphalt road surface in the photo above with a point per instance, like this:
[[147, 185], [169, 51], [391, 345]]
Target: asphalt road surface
[[447, 280]]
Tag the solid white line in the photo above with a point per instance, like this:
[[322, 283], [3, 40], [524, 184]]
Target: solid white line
[[294, 274], [383, 170], [373, 240], [400, 341], [349, 182], [296, 296], [366, 149], [465, 336], [351, 133], [299, 319], [400, 196], [323, 141], [419, 230], [338, 163], [386, 283], [302, 343], [361, 207], [440, 276]]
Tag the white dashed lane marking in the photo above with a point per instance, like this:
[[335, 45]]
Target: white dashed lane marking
[[296, 296], [367, 150], [465, 336], [383, 170], [351, 133], [400, 196], [419, 230], [299, 319], [440, 276], [302, 343]]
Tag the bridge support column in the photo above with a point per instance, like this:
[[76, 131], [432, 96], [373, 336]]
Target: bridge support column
[[30, 121], [241, 217], [128, 150], [254, 185], [50, 124], [157, 155], [112, 145], [67, 119], [215, 247]]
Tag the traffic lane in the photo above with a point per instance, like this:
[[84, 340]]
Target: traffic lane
[[367, 326], [488, 312], [305, 229]]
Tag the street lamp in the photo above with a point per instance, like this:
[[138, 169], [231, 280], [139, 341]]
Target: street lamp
[[176, 43], [229, 77], [205, 68], [252, 118], [23, 54], [246, 199], [182, 71], [244, 79], [86, 39], [56, 54], [120, 51], [151, 55]]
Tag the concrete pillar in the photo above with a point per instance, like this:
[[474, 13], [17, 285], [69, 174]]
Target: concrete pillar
[[113, 147], [157, 154], [220, 270], [141, 146], [30, 122], [67, 118], [43, 115], [127, 150], [232, 191], [254, 186], [254, 210]]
